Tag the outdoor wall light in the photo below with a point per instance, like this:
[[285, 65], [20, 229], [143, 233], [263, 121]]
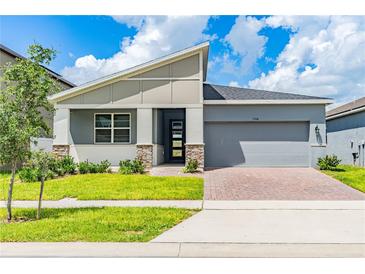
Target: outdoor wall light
[[316, 130]]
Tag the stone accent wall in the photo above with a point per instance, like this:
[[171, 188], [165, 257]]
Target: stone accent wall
[[145, 154], [61, 150], [195, 151]]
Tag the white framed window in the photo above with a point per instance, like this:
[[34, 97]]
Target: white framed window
[[112, 128]]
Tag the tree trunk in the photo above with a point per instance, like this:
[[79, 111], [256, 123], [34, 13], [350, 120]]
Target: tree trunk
[[40, 199], [10, 192]]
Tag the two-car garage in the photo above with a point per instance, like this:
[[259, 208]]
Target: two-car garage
[[259, 128], [256, 144]]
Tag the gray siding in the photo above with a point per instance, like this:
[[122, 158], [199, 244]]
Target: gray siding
[[176, 83], [356, 120], [82, 124], [158, 127], [313, 113], [345, 136], [289, 141]]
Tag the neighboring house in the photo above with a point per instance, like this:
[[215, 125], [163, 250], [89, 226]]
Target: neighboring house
[[346, 132], [162, 112], [8, 56]]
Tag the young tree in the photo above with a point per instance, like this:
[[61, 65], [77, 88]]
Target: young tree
[[42, 162], [25, 86]]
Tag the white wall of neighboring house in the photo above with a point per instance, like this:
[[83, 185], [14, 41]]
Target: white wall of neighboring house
[[44, 144]]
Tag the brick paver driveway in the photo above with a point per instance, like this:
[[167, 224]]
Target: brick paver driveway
[[274, 184]]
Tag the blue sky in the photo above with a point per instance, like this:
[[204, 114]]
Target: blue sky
[[302, 54]]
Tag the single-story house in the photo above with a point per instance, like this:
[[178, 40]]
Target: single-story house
[[346, 132], [163, 112]]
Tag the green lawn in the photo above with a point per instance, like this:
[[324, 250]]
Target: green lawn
[[109, 187], [90, 224], [350, 175], [4, 175]]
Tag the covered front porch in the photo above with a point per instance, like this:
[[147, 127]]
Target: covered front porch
[[154, 135]]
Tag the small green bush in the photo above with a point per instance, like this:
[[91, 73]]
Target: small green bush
[[329, 162], [93, 168], [83, 167], [67, 164], [104, 166], [131, 167], [88, 167], [31, 171], [191, 166], [28, 174], [58, 170]]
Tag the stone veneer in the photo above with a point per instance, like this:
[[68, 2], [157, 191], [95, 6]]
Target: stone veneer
[[61, 150], [195, 151], [145, 154]]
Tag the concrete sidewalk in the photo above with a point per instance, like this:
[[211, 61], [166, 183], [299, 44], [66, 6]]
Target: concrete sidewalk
[[196, 250], [275, 204], [226, 229], [74, 203], [195, 204], [270, 227]]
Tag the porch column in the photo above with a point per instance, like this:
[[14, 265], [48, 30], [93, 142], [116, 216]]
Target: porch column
[[61, 131], [194, 146], [144, 136]]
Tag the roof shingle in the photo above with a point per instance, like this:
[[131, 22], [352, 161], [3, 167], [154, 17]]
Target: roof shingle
[[347, 107], [218, 92]]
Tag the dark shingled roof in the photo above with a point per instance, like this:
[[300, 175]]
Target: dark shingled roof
[[218, 92], [353, 105]]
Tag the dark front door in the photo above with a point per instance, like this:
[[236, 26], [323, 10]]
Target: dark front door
[[176, 141]]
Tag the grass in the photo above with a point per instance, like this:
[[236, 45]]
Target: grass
[[107, 224], [109, 187], [4, 175], [349, 175]]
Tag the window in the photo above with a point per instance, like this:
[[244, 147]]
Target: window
[[177, 125], [112, 128], [177, 134]]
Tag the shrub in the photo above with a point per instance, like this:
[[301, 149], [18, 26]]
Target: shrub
[[28, 174], [83, 167], [93, 168], [58, 170], [131, 167], [67, 164], [328, 162], [51, 174], [191, 166], [87, 167], [125, 167], [32, 171], [138, 166], [103, 167]]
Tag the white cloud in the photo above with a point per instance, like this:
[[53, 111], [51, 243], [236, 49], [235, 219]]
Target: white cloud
[[241, 48], [324, 57], [245, 41], [156, 36], [234, 84], [130, 20]]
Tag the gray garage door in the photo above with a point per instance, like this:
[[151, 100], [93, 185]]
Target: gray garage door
[[256, 144]]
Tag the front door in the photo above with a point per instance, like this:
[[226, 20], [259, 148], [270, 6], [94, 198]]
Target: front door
[[176, 141]]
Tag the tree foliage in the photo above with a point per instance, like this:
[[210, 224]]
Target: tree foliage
[[25, 86]]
